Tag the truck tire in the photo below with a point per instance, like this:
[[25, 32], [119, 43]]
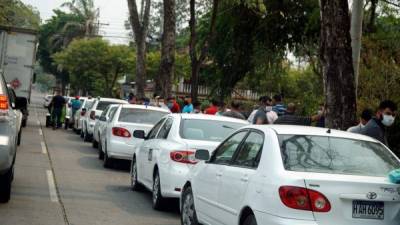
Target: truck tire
[[5, 186]]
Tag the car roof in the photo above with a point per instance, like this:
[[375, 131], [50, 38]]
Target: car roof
[[111, 100], [312, 131], [211, 117], [132, 106]]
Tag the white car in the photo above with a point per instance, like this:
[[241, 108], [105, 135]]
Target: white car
[[18, 113], [79, 115], [94, 112], [117, 141], [293, 175], [163, 160], [47, 100], [101, 124]]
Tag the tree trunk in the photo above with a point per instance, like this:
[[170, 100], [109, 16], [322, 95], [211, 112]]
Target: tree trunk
[[140, 28], [336, 59], [372, 17], [197, 61], [167, 65], [357, 16]]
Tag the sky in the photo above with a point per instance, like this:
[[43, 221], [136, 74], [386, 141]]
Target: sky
[[112, 12]]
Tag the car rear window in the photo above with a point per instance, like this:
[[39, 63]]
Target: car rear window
[[88, 104], [103, 105], [143, 116], [207, 130], [322, 154]]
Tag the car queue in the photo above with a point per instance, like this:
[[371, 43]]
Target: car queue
[[226, 171]]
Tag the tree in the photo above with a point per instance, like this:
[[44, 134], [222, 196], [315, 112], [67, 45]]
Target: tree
[[167, 65], [94, 65], [336, 58], [17, 14], [83, 27], [196, 59], [140, 26]]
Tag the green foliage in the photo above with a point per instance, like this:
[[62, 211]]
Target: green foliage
[[94, 65], [17, 14]]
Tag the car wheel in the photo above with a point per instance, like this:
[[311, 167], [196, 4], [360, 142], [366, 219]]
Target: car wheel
[[5, 186], [106, 160], [250, 220], [101, 153], [23, 123], [66, 124], [188, 212], [95, 144], [82, 134], [135, 185], [158, 200], [19, 137], [86, 137]]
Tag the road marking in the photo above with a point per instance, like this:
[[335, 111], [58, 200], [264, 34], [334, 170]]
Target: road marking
[[52, 186], [44, 149], [40, 132]]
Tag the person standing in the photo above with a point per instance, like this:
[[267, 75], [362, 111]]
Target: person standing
[[290, 118], [57, 103], [173, 105], [278, 106], [366, 116], [213, 108], [75, 105], [235, 111], [264, 114], [188, 108], [385, 117], [197, 108]]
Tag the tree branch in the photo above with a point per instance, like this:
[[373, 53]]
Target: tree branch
[[211, 34]]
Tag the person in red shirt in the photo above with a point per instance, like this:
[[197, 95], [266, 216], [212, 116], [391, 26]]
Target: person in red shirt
[[213, 109], [173, 105]]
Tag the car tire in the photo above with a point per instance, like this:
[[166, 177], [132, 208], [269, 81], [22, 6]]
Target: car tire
[[106, 160], [86, 137], [95, 144], [66, 122], [82, 134], [158, 200], [101, 153], [5, 186], [23, 123], [19, 137], [135, 185], [188, 211], [250, 220]]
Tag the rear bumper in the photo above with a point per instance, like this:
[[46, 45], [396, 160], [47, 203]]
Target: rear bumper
[[173, 177], [90, 128], [120, 150], [265, 218]]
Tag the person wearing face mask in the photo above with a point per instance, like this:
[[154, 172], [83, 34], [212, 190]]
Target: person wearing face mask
[[173, 105], [264, 115], [366, 116], [188, 108], [385, 117]]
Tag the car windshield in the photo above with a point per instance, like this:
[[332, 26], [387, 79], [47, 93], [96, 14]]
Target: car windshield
[[143, 116], [88, 104], [207, 130], [103, 105], [321, 154]]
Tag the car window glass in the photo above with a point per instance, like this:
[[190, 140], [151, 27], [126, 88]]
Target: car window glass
[[164, 131], [333, 155], [155, 129], [11, 96], [112, 113], [248, 155], [141, 116], [104, 113], [225, 152]]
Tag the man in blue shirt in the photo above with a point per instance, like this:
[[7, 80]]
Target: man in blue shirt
[[188, 105], [278, 107]]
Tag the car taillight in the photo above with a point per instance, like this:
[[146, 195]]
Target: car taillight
[[183, 157], [304, 199], [93, 115], [3, 102], [121, 132], [83, 113]]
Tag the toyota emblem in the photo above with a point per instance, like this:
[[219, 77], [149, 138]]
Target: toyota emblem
[[372, 195]]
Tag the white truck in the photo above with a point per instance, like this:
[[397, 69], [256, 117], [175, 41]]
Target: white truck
[[17, 59]]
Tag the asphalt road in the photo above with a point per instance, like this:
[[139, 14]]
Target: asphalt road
[[59, 180]]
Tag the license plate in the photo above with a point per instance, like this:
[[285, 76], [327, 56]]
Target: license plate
[[368, 210]]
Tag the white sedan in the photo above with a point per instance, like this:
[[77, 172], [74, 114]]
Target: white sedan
[[101, 124], [163, 160], [117, 141], [293, 175]]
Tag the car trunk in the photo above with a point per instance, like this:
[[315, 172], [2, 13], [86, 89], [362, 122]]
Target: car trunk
[[131, 127], [356, 200]]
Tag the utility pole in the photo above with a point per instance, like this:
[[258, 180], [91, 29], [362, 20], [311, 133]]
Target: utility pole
[[357, 16]]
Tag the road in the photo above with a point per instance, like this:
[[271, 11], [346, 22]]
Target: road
[[59, 180]]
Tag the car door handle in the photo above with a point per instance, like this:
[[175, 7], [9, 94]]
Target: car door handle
[[244, 179], [219, 174]]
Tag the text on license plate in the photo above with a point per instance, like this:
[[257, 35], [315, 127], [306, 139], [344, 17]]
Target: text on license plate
[[368, 210]]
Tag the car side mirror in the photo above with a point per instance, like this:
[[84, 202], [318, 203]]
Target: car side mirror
[[84, 110], [202, 154], [140, 134], [96, 117]]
